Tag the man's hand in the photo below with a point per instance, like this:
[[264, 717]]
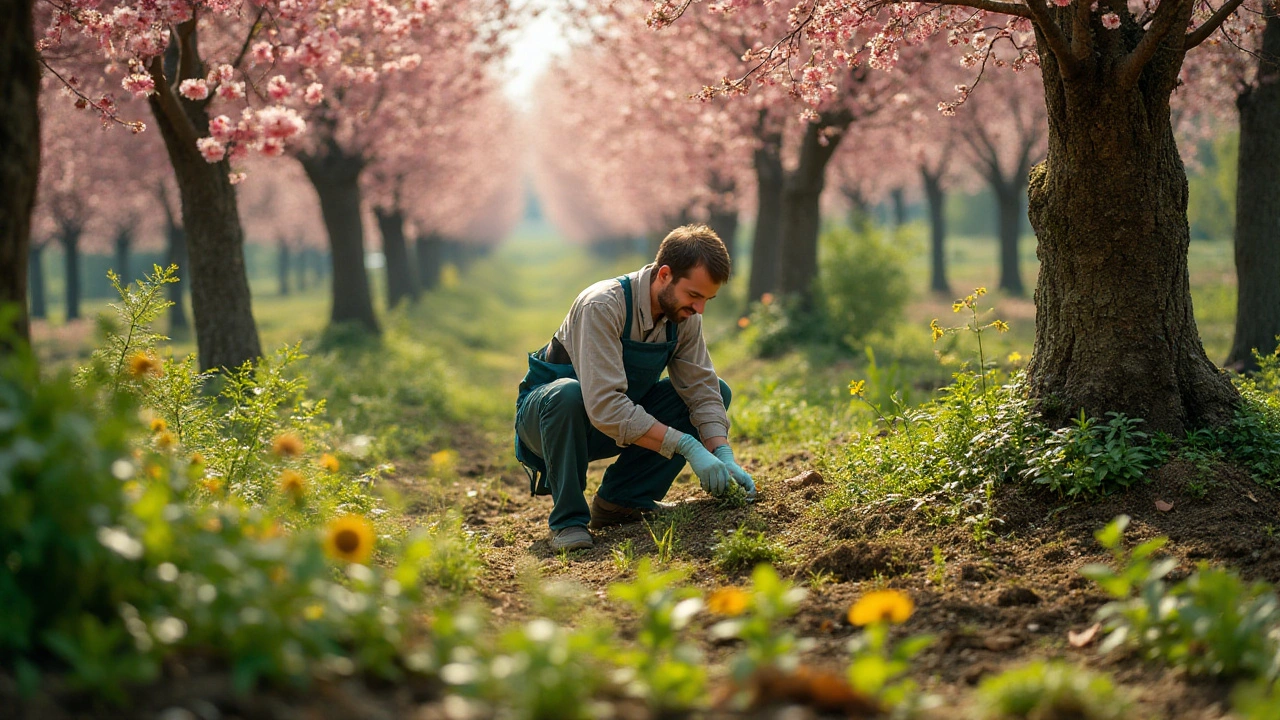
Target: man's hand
[[712, 473], [740, 476]]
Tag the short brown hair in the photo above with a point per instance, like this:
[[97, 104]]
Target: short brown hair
[[689, 246]]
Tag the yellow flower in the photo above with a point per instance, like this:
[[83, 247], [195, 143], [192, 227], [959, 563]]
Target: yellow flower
[[728, 601], [979, 291], [197, 459], [959, 305], [1001, 325], [165, 440], [444, 460], [938, 332], [158, 425], [881, 606], [1015, 357], [329, 462], [293, 484], [212, 485], [287, 445], [349, 538], [858, 387], [313, 612], [141, 364]]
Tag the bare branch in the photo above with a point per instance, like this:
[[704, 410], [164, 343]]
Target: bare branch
[[253, 32], [1202, 33], [995, 6], [1054, 37], [1166, 17], [167, 102]]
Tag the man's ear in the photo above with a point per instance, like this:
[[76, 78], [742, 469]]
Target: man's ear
[[663, 273]]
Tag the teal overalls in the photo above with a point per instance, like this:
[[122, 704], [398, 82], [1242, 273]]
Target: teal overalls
[[555, 440]]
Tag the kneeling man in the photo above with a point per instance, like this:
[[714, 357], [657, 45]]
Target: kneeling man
[[594, 392]]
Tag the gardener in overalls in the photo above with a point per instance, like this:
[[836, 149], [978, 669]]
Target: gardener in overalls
[[594, 392]]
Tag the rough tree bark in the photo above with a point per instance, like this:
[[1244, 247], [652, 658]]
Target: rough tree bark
[[936, 199], [39, 294], [1257, 241], [226, 334], [768, 230], [282, 264], [69, 238], [429, 251], [19, 161], [402, 285], [1114, 323], [800, 212], [336, 178]]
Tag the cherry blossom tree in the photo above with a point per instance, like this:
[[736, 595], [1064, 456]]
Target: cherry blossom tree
[[19, 163], [1114, 325]]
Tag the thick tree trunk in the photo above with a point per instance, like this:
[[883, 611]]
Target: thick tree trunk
[[936, 198], [402, 286], [123, 245], [1257, 242], [226, 333], [429, 250], [768, 230], [69, 239], [39, 296], [19, 161], [1008, 194], [176, 254], [282, 264], [1114, 324], [801, 217], [336, 178]]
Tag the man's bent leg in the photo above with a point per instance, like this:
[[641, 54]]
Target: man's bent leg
[[641, 477], [553, 423]]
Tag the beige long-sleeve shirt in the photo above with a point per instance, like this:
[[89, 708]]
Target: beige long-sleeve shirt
[[590, 334]]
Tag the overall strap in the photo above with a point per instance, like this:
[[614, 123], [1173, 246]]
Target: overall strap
[[625, 280]]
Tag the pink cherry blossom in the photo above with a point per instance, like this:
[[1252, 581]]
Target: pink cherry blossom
[[212, 150], [194, 89], [314, 94], [263, 53], [138, 84], [1111, 21], [221, 129], [231, 91], [279, 88]]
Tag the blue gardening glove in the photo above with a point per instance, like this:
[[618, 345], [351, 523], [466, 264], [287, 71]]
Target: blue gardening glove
[[740, 476], [712, 473]]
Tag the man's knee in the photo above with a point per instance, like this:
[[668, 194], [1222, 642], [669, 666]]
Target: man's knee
[[725, 393], [561, 396]]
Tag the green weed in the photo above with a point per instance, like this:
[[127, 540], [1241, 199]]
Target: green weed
[[1050, 690], [741, 550]]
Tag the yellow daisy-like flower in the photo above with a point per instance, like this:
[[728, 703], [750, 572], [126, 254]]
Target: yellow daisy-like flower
[[197, 459], [959, 305], [728, 601], [857, 388], [293, 484], [349, 538], [287, 445], [881, 606], [211, 485], [1015, 357], [1001, 325], [313, 612], [444, 459], [979, 291], [938, 332], [166, 440], [158, 425], [329, 462], [141, 364]]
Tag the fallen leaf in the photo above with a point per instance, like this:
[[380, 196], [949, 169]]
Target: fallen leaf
[[805, 479], [1083, 637], [1163, 506], [1000, 643], [1250, 496]]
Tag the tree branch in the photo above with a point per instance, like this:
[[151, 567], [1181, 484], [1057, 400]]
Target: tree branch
[[1081, 37], [1166, 17], [1054, 37], [1202, 33], [167, 103], [995, 6]]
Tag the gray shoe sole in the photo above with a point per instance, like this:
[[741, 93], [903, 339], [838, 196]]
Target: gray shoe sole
[[574, 538]]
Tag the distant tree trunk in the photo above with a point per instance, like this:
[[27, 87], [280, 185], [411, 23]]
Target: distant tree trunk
[[401, 284], [226, 333], [1008, 192], [768, 231], [1115, 329], [936, 198], [801, 217], [429, 249], [300, 269], [175, 254], [123, 244], [336, 178], [859, 211], [39, 297], [282, 264], [724, 221], [899, 198], [19, 160], [1257, 241], [69, 238]]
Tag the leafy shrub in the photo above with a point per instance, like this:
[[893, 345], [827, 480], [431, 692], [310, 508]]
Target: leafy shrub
[[669, 672], [1047, 691], [1090, 458], [742, 550], [1210, 623], [446, 555]]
